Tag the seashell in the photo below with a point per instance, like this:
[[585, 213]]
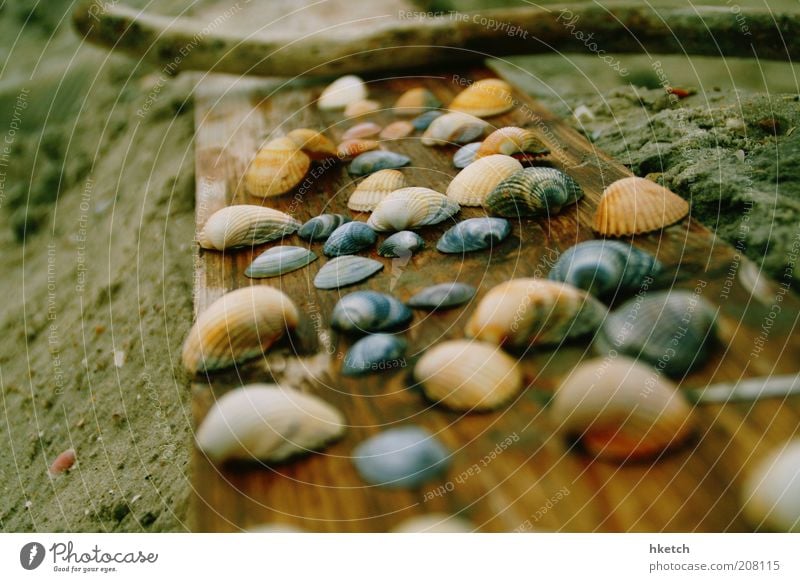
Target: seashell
[[321, 227], [484, 98], [267, 422], [416, 101], [313, 144], [531, 312], [345, 270], [533, 192], [401, 244], [274, 528], [277, 168], [435, 523], [513, 140], [637, 205], [342, 92], [362, 130], [604, 267], [62, 463], [410, 208], [238, 326], [474, 183], [397, 130], [279, 260], [401, 457], [349, 238], [370, 162], [771, 492], [442, 296], [375, 188], [375, 353], [669, 329], [621, 409], [369, 312], [359, 108], [423, 122], [466, 154], [468, 375], [474, 234], [245, 225], [355, 147], [453, 128]]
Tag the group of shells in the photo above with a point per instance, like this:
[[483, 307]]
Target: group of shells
[[600, 403]]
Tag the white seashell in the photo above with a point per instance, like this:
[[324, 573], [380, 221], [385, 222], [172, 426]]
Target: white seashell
[[771, 493], [475, 182], [342, 92], [466, 154], [401, 244], [435, 523], [454, 128], [375, 188], [279, 260], [245, 225], [410, 208], [345, 270]]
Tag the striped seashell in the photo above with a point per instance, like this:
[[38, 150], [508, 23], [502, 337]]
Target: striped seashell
[[466, 154], [268, 423], [441, 523], [453, 128], [375, 353], [397, 130], [342, 92], [359, 108], [277, 168], [245, 225], [474, 234], [321, 227], [401, 244], [375, 188], [621, 410], [635, 206], [278, 261], [474, 183], [513, 140], [415, 102], [315, 145], [533, 192], [345, 270], [442, 296], [369, 312], [771, 492], [485, 98], [361, 131], [238, 326], [531, 312], [349, 238], [468, 375], [353, 148], [410, 208], [370, 162], [423, 122]]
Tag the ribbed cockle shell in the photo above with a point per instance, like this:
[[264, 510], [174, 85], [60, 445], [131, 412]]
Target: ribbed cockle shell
[[375, 188], [637, 205], [484, 98], [245, 225], [453, 128], [533, 192], [410, 208], [277, 168], [475, 182]]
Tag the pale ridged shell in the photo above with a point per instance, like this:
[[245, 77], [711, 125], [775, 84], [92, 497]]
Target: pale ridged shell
[[474, 234], [352, 148], [349, 238], [359, 108], [474, 183], [416, 101], [465, 155], [369, 312], [621, 409], [245, 225], [267, 422], [370, 162], [342, 92], [279, 260], [637, 205], [533, 192], [530, 312], [442, 296], [345, 270], [238, 326], [453, 128], [771, 492], [468, 375], [484, 98], [375, 188], [397, 130], [401, 244], [410, 208], [277, 168], [671, 330], [375, 353], [320, 227], [313, 144], [401, 457], [441, 523], [510, 141], [361, 131], [604, 268], [423, 122]]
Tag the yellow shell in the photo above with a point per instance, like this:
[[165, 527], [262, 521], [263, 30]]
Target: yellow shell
[[416, 101], [355, 147], [621, 409], [238, 326], [397, 130], [409, 208], [511, 140], [245, 225], [771, 492], [313, 143], [453, 128], [375, 188], [637, 205], [473, 184], [359, 108], [484, 98], [342, 92], [277, 168], [468, 375]]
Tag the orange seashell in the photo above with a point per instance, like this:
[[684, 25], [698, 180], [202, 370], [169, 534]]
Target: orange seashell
[[277, 168], [397, 130], [484, 98], [512, 140], [354, 147], [636, 205], [475, 182], [63, 462], [362, 107], [375, 188], [313, 144], [416, 101]]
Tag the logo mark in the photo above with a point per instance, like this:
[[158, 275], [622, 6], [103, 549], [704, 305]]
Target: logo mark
[[31, 555]]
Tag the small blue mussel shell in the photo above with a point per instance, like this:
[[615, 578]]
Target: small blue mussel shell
[[474, 234], [442, 296], [401, 244], [349, 238], [279, 260], [403, 457], [369, 312], [421, 122], [375, 353], [466, 154], [376, 160], [345, 270], [321, 227], [604, 267]]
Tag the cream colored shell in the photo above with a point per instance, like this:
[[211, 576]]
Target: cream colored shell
[[245, 225], [375, 188], [508, 141], [410, 208], [277, 168], [637, 205], [362, 107], [771, 492], [342, 92], [415, 101], [473, 184], [453, 127], [484, 98], [313, 143]]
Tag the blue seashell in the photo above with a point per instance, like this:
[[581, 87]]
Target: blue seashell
[[376, 160], [279, 260], [349, 238], [375, 353], [474, 234], [466, 154], [533, 192], [421, 122], [401, 457], [442, 296], [401, 244], [320, 227], [369, 311], [345, 270]]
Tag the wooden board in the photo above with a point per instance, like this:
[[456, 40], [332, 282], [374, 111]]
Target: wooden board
[[536, 482]]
